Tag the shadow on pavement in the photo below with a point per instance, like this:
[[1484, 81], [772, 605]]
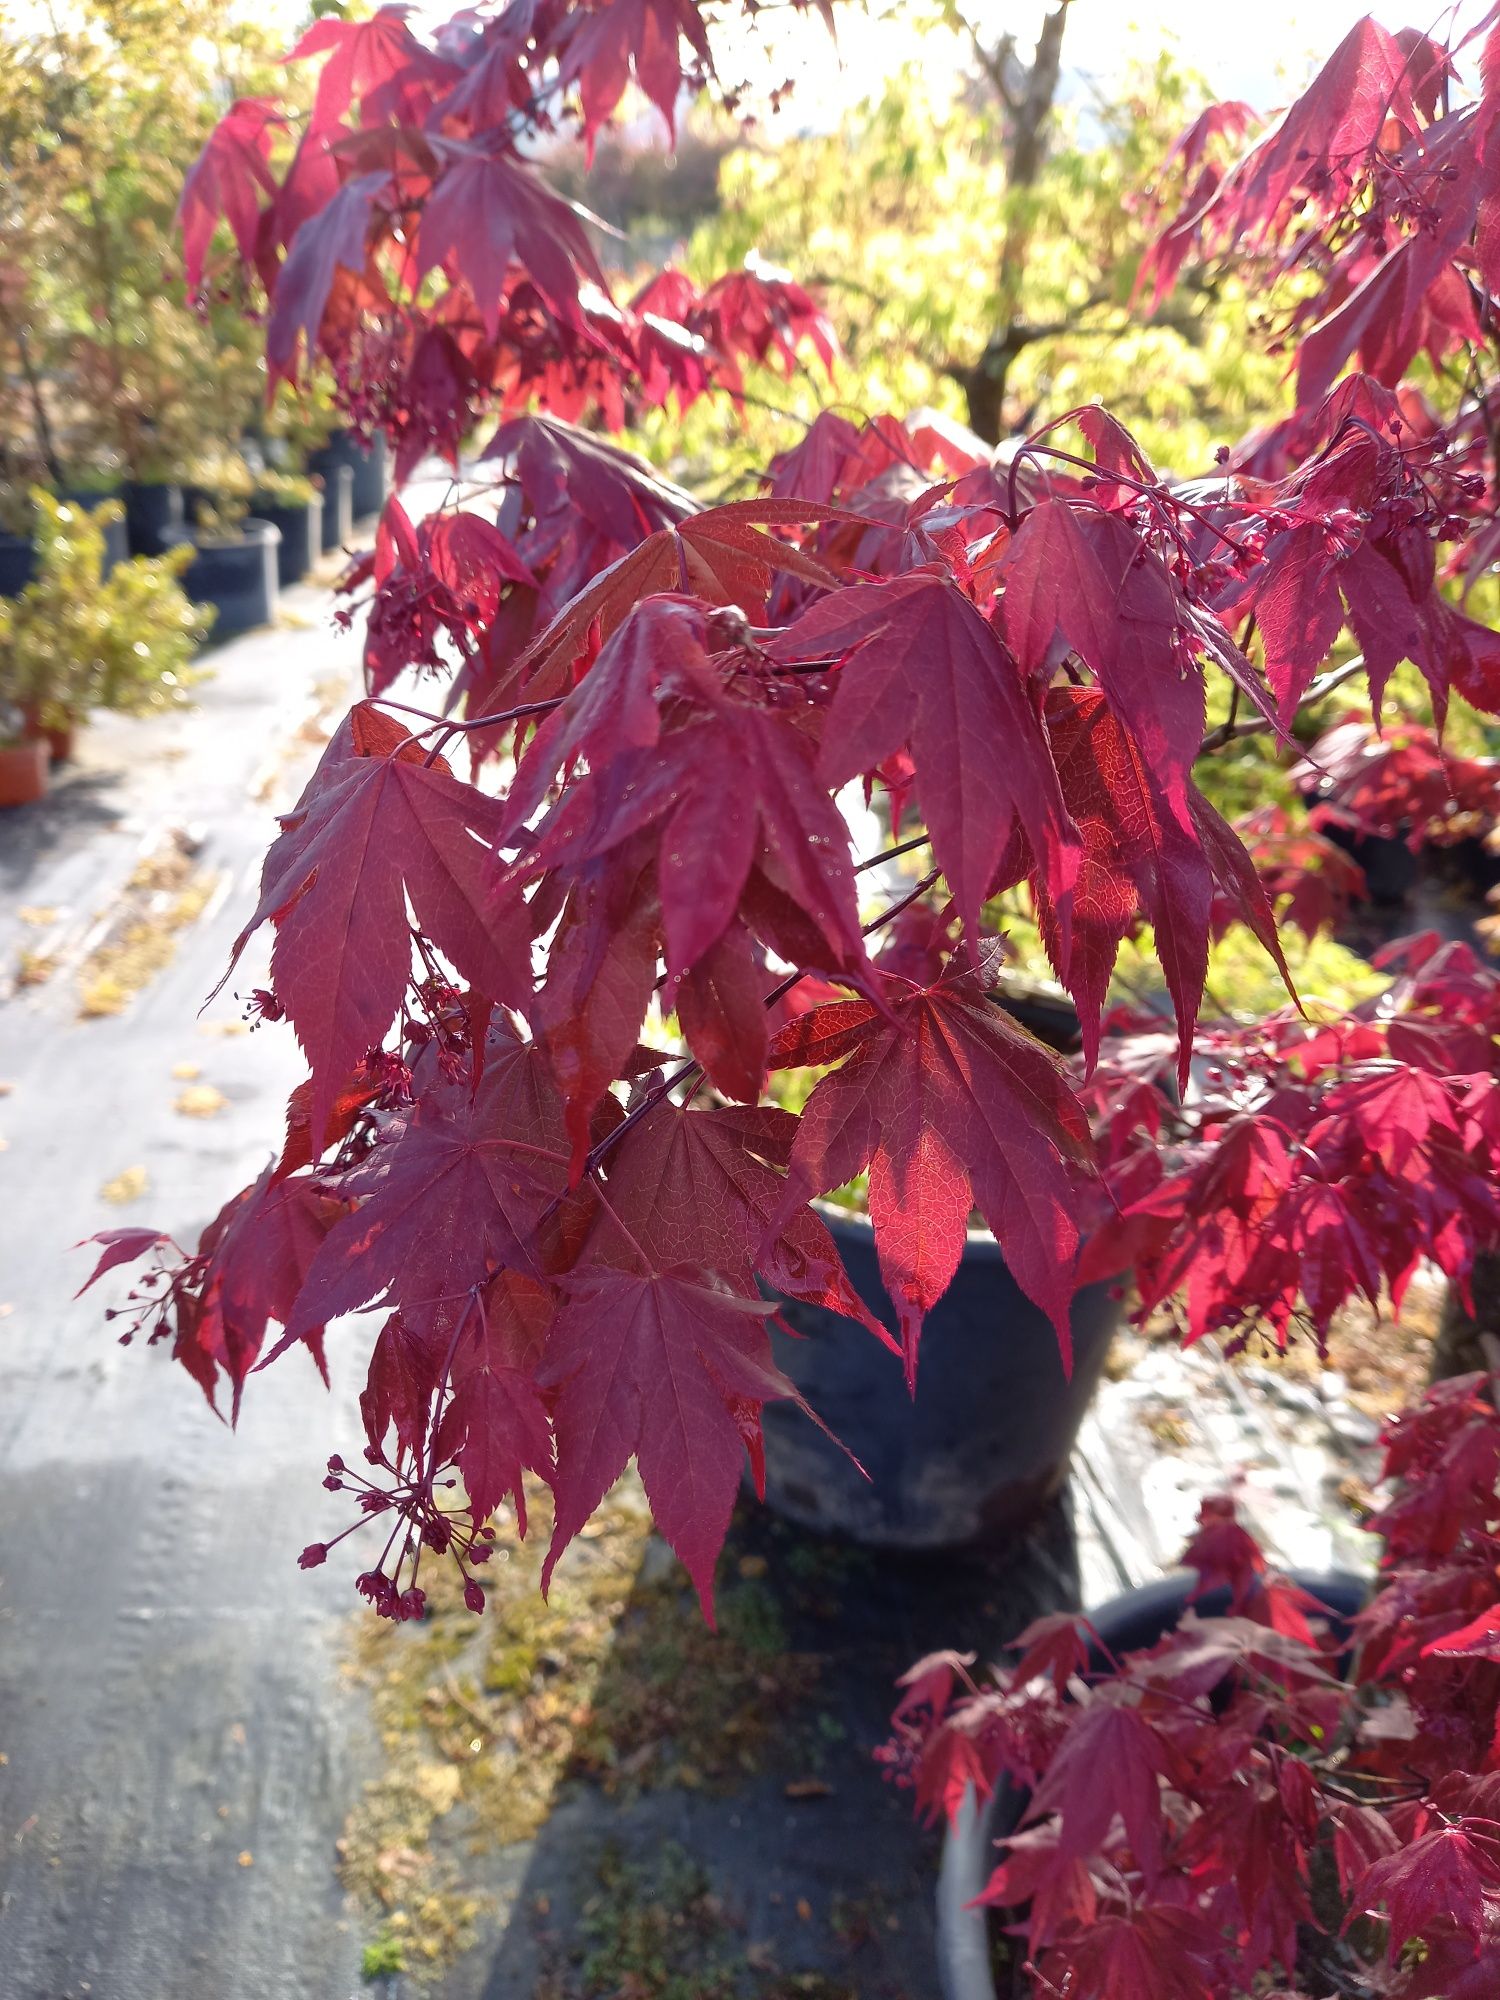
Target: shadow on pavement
[[802, 1876]]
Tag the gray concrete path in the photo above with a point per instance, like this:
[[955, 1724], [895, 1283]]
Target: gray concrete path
[[177, 1753]]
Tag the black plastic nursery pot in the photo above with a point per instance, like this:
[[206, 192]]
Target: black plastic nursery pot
[[237, 577], [966, 1965], [17, 560], [987, 1438], [368, 466], [154, 520], [301, 530], [337, 527]]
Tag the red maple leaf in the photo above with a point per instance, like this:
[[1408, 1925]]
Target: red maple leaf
[[256, 1252], [702, 1187], [919, 666], [378, 64], [455, 1189], [659, 1365], [375, 826], [494, 1427], [1440, 1879], [228, 179], [1108, 1766], [485, 214], [1156, 1954], [952, 1107], [643, 38], [121, 1246], [335, 240]]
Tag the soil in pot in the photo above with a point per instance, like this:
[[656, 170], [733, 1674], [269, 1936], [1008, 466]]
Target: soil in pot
[[367, 464], [23, 774], [237, 577], [153, 517], [301, 530], [338, 507], [965, 1939], [984, 1443]]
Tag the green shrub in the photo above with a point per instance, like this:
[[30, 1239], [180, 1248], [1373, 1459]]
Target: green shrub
[[76, 640]]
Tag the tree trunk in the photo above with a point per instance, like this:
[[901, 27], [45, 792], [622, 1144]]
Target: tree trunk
[[1460, 1347], [1030, 113]]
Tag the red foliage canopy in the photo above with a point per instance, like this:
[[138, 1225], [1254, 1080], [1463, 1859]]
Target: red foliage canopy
[[664, 703], [1237, 1808]]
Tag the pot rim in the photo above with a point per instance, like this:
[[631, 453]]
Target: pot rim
[[963, 1931], [979, 1244], [255, 533]]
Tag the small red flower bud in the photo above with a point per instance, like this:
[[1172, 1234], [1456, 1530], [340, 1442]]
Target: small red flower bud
[[473, 1596], [312, 1555]]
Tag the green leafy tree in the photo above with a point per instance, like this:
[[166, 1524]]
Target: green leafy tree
[[978, 248], [102, 109]]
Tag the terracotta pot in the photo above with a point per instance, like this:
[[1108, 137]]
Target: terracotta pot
[[59, 742], [23, 774]]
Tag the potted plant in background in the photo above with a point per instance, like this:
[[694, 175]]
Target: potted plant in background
[[292, 503], [292, 431], [24, 761], [235, 565], [365, 460], [99, 117], [1213, 1786], [81, 637]]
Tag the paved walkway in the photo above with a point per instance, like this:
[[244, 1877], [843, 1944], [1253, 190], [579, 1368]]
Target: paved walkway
[[177, 1755]]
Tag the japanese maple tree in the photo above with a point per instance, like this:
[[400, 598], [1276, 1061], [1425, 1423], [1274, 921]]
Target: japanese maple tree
[[1259, 1802], [622, 802]]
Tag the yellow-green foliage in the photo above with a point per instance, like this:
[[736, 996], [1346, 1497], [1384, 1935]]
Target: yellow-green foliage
[[76, 640], [104, 106], [899, 220]]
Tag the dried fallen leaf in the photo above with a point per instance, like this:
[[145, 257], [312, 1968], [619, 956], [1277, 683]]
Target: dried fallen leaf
[[804, 1909], [187, 1072], [34, 968], [808, 1788], [199, 1100], [246, 1858], [127, 1186]]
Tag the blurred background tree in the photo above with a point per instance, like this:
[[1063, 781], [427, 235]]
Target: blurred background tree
[[103, 107], [976, 237]]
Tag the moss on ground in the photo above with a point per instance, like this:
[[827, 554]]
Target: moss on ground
[[655, 1930], [615, 1680]]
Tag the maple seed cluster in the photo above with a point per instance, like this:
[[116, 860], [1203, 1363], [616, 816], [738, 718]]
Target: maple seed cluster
[[421, 1524]]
